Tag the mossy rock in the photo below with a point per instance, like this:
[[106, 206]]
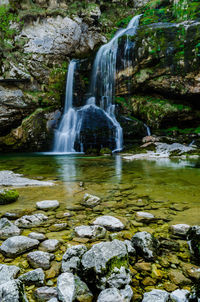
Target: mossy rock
[[8, 196]]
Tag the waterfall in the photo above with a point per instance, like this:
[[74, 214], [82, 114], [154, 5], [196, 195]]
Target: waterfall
[[102, 92], [148, 130]]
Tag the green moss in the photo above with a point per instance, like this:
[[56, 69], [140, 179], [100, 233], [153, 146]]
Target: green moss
[[8, 196]]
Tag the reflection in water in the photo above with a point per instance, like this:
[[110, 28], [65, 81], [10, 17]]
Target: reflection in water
[[118, 167], [68, 171]]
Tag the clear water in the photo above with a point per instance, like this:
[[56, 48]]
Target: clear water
[[118, 182]]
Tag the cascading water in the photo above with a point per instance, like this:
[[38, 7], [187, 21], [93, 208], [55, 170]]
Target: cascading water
[[102, 90]]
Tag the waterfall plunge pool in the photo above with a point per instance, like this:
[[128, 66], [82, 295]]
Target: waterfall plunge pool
[[167, 188]]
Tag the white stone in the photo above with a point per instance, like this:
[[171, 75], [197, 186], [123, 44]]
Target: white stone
[[37, 236], [47, 205], [109, 222], [8, 272], [92, 232], [50, 245], [156, 295], [180, 295], [30, 221], [179, 229], [144, 216], [91, 200]]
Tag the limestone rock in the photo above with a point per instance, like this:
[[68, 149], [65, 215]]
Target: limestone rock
[[50, 245], [30, 221], [47, 205], [45, 293], [8, 272], [35, 277], [91, 201], [40, 259], [17, 245], [113, 294], [156, 295], [180, 295], [145, 245], [119, 278], [12, 291], [179, 229], [37, 236], [71, 260], [92, 232], [109, 222], [8, 229]]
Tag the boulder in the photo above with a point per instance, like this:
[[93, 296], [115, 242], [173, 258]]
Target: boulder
[[46, 205], [101, 260], [17, 245], [109, 222], [71, 261], [12, 291], [50, 245], [145, 245], [92, 232], [156, 295], [37, 236], [91, 201], [180, 295], [8, 229], [8, 272], [45, 293], [113, 294], [35, 277], [40, 259], [193, 236], [8, 196], [30, 221], [179, 229], [71, 288]]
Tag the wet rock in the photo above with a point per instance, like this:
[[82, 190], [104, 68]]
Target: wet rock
[[193, 236], [37, 236], [50, 245], [100, 261], [144, 217], [8, 272], [92, 232], [12, 291], [171, 245], [8, 196], [156, 295], [109, 222], [143, 266], [47, 205], [71, 260], [191, 270], [8, 178], [180, 295], [45, 293], [145, 245], [178, 278], [54, 271], [71, 288], [8, 229], [91, 201], [17, 245], [179, 229], [57, 227], [113, 294], [40, 259], [35, 277], [30, 221]]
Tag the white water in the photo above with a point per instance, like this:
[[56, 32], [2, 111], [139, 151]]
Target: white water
[[102, 90], [148, 130]]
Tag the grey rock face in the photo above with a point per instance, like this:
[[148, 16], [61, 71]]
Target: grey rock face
[[50, 245], [145, 245], [47, 205], [91, 201], [95, 261], [8, 272], [92, 232], [37, 236], [8, 229], [35, 277], [109, 222], [17, 245], [29, 221], [40, 259], [179, 229], [12, 291], [156, 295], [180, 295], [113, 294], [72, 258], [71, 288], [45, 293]]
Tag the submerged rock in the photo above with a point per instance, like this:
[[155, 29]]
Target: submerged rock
[[71, 261], [92, 232], [91, 201], [145, 245], [12, 291], [30, 221], [8, 272], [156, 295], [109, 222], [8, 196], [40, 259], [8, 229], [17, 245], [35, 277], [47, 205]]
